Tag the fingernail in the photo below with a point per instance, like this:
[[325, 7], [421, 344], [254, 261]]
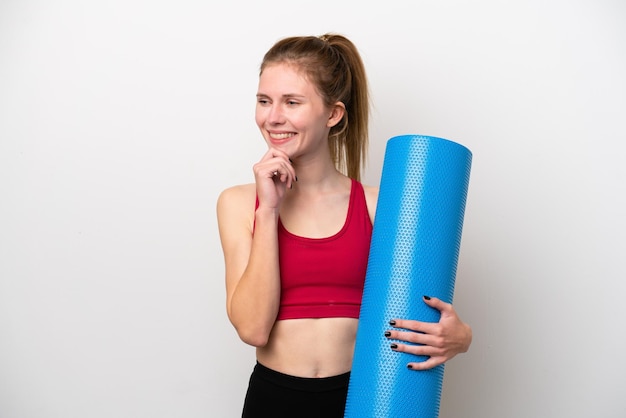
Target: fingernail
[[426, 297], [387, 334], [393, 346], [392, 322], [409, 366]]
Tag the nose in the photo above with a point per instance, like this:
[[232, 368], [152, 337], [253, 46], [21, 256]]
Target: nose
[[275, 115]]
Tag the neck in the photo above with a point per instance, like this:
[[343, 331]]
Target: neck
[[316, 177]]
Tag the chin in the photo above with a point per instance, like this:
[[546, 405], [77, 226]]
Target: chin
[[286, 146]]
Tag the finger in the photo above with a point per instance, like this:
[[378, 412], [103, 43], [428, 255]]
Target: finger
[[425, 365], [422, 350], [284, 173], [414, 338], [418, 350], [274, 155], [434, 356], [280, 157], [274, 167], [412, 325], [284, 177], [275, 152], [269, 170], [437, 303], [280, 163]]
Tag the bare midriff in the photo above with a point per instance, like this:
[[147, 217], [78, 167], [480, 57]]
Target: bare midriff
[[310, 347]]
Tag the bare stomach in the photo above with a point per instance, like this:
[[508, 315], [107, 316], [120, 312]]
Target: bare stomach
[[310, 347]]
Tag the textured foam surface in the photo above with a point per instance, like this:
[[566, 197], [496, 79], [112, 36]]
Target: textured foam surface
[[414, 252]]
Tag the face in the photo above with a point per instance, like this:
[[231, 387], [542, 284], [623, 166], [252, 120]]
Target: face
[[290, 112]]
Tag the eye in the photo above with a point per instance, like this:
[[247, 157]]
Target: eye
[[292, 102]]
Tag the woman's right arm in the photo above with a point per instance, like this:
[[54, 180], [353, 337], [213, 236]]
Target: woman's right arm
[[251, 264], [250, 244]]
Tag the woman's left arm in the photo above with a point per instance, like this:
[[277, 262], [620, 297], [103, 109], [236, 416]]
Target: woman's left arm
[[439, 341]]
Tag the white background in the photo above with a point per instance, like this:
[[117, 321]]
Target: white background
[[122, 120]]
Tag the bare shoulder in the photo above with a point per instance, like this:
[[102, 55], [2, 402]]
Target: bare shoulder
[[236, 202], [371, 198], [237, 194], [371, 192]]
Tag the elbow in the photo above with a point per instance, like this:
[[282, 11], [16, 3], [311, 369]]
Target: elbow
[[254, 333], [253, 330], [257, 341], [254, 336]]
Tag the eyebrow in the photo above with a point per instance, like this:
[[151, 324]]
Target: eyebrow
[[286, 96]]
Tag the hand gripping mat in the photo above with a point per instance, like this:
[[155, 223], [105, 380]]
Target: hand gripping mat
[[414, 252]]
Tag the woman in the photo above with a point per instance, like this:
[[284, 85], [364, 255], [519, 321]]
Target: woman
[[296, 241]]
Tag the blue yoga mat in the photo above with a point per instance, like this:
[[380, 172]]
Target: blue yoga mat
[[414, 252]]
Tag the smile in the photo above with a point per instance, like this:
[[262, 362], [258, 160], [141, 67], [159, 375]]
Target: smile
[[281, 136]]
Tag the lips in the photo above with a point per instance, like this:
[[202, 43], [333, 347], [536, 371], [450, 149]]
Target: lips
[[281, 136]]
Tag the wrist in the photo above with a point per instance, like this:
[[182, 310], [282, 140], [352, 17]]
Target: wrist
[[468, 337], [266, 212]]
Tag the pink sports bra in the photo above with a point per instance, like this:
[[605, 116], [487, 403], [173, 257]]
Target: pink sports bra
[[324, 277]]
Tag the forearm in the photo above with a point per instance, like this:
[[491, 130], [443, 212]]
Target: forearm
[[255, 301]]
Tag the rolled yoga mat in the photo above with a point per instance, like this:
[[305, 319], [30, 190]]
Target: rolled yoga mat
[[413, 252]]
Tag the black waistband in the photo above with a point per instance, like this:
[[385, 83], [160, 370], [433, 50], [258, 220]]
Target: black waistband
[[309, 384]]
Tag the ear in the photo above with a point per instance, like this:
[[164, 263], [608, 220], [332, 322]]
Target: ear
[[336, 114]]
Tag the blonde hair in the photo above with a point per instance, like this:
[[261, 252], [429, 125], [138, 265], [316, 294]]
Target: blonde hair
[[333, 63]]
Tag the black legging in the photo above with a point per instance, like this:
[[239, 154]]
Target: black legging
[[277, 395]]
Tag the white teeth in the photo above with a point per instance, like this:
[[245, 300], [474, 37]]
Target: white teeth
[[281, 136]]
